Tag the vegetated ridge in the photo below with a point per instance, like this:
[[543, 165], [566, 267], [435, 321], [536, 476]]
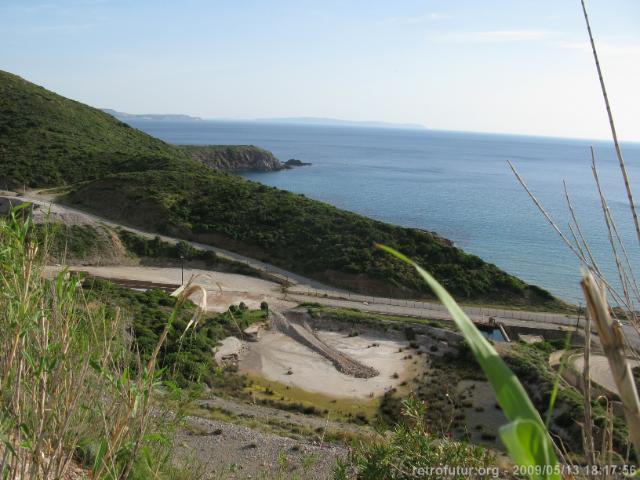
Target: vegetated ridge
[[123, 174]]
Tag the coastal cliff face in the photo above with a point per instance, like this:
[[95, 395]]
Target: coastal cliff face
[[234, 158]]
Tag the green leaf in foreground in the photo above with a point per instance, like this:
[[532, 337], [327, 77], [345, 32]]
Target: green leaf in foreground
[[526, 436]]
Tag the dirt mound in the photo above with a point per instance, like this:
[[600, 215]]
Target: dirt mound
[[302, 333]]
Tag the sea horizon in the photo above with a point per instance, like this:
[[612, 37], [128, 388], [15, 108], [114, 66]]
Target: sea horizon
[[343, 123]]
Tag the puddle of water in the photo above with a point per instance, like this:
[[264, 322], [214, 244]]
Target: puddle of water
[[493, 334]]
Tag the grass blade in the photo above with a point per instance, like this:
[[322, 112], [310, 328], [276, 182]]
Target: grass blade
[[510, 393]]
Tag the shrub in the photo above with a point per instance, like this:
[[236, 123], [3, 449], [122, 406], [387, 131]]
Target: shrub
[[411, 446]]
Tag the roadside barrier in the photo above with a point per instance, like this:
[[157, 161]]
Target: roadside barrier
[[478, 312]]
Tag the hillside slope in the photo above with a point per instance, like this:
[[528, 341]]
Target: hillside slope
[[48, 140], [296, 233], [126, 175]]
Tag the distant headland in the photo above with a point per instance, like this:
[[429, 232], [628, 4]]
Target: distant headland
[[321, 121], [175, 117]]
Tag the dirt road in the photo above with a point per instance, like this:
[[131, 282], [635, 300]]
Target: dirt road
[[305, 289]]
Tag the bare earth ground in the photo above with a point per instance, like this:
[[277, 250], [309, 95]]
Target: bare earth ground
[[223, 289], [230, 451], [47, 212], [228, 347], [600, 371], [277, 354]]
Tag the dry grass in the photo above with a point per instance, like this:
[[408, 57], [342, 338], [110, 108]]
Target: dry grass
[[614, 348], [596, 286], [72, 393]]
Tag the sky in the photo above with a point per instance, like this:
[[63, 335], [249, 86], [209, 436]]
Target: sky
[[506, 66]]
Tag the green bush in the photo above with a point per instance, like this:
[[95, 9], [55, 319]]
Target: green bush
[[411, 451], [185, 360]]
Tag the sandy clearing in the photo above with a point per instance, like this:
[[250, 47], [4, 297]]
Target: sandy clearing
[[227, 281], [276, 354], [600, 370], [223, 289], [301, 332]]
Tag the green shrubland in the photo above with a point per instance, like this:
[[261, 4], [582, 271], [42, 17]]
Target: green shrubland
[[294, 232], [188, 360]]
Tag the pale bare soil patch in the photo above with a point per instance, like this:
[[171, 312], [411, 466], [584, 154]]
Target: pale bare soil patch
[[600, 370], [223, 289], [279, 358]]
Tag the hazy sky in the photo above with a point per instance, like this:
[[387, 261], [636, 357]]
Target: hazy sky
[[512, 66]]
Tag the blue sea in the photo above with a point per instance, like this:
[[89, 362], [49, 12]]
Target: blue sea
[[454, 183]]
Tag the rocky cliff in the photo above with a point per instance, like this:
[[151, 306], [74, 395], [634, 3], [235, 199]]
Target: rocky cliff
[[234, 158]]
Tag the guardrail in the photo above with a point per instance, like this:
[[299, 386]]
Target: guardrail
[[480, 312]]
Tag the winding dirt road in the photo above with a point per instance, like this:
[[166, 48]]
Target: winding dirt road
[[306, 289]]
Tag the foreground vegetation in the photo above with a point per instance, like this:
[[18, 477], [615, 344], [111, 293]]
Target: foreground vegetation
[[414, 451], [83, 370], [185, 360], [126, 175], [74, 395]]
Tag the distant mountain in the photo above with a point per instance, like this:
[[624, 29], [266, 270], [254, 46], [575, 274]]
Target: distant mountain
[[175, 117], [335, 122], [341, 123]]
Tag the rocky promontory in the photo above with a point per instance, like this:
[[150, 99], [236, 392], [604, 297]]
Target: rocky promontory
[[234, 158], [239, 158]]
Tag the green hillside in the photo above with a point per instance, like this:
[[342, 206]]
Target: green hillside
[[294, 232], [126, 175], [48, 140]]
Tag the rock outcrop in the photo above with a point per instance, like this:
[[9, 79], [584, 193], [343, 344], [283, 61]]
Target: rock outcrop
[[239, 158], [235, 158], [293, 162]]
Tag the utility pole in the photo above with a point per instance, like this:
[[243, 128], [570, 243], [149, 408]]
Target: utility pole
[[182, 269], [579, 313]]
